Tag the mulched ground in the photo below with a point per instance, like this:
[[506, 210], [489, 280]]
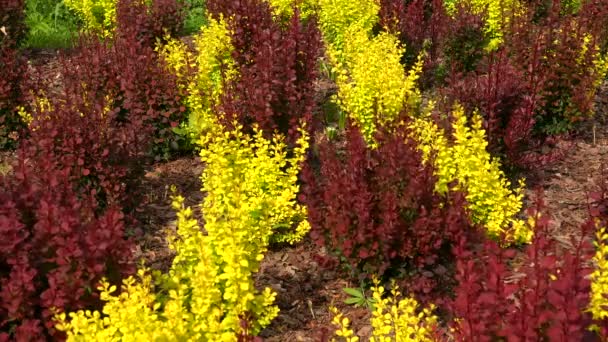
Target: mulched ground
[[158, 217], [567, 184], [304, 289]]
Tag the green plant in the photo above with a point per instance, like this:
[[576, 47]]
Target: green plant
[[50, 24], [196, 16], [358, 297]]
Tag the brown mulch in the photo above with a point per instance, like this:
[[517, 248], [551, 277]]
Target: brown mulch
[[45, 68], [567, 185], [305, 291], [158, 216]]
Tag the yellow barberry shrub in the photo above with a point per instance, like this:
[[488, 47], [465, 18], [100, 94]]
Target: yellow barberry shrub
[[190, 306], [283, 9], [342, 324], [393, 319], [263, 174], [466, 162], [97, 15], [600, 68], [337, 17], [213, 49], [598, 304], [372, 86], [177, 58], [41, 104], [251, 187], [596, 69]]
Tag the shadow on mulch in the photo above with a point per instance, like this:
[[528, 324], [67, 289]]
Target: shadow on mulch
[[157, 216]]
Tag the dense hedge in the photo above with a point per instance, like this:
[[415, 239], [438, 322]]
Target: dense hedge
[[432, 99]]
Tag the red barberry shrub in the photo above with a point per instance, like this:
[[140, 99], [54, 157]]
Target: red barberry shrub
[[12, 22], [139, 92], [497, 89], [465, 39], [55, 247], [567, 45], [13, 71], [99, 153], [421, 27], [537, 83], [277, 67], [540, 294], [378, 207], [116, 103], [149, 21], [13, 77]]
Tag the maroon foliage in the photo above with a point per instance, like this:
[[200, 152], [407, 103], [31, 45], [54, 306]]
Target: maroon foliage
[[13, 76], [377, 207], [537, 84], [143, 96], [13, 70], [249, 18], [148, 22], [61, 214], [12, 22], [98, 153], [553, 50], [499, 92], [277, 67], [54, 248], [509, 100], [465, 39], [540, 295], [421, 26]]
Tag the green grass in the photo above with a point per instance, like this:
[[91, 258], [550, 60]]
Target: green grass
[[50, 24]]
